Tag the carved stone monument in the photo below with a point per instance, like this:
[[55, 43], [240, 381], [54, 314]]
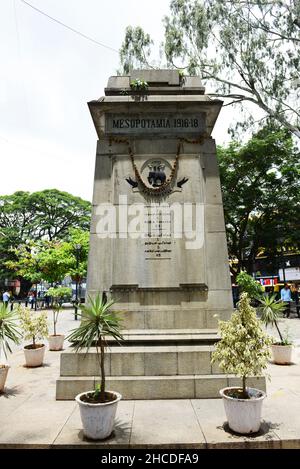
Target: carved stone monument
[[158, 242]]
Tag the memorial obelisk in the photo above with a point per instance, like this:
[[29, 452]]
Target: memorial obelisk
[[158, 242]]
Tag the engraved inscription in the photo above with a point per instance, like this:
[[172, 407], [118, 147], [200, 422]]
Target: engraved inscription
[[166, 124], [158, 241]]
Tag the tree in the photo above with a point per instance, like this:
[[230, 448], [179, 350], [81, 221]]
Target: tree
[[248, 285], [51, 261], [46, 215], [261, 195], [56, 212], [245, 51]]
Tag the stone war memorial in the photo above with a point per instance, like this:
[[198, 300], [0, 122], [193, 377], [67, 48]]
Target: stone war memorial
[[158, 242]]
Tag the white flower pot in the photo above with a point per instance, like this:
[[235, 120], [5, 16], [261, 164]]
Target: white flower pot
[[56, 342], [34, 356], [3, 375], [243, 415], [98, 419], [282, 354]]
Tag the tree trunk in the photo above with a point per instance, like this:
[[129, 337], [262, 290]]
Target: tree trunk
[[245, 394], [24, 287], [102, 356], [279, 333]]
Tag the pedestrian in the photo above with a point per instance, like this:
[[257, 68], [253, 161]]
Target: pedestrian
[[235, 295], [31, 299], [286, 297], [6, 297], [296, 299]]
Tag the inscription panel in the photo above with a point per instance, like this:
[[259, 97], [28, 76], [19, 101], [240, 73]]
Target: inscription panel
[[155, 124]]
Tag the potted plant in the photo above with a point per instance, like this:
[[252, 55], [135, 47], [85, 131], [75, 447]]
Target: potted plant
[[271, 309], [139, 85], [243, 350], [58, 295], [8, 333], [97, 407], [34, 327]]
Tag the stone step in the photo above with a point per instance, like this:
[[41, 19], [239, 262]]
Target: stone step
[[174, 336], [179, 315], [155, 387], [149, 360]]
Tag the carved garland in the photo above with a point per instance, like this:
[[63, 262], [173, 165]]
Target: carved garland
[[167, 186]]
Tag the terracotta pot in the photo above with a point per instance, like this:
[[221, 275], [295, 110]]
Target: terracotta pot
[[3, 375], [282, 354], [98, 419], [34, 356], [243, 415], [56, 342]]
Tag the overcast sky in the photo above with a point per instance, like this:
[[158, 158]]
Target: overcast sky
[[48, 74]]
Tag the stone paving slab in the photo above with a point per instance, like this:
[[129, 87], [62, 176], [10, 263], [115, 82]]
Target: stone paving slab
[[30, 417], [71, 435], [212, 419], [166, 423]]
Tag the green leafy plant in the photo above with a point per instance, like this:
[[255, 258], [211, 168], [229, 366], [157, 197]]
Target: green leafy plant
[[34, 325], [139, 85], [98, 321], [58, 295], [271, 310], [97, 392], [244, 347], [8, 330], [248, 285], [181, 76]]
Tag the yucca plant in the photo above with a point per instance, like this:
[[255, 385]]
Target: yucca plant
[[9, 332], [98, 322], [271, 310]]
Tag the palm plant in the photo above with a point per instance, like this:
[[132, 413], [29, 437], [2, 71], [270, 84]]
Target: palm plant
[[8, 329], [271, 309], [98, 321]]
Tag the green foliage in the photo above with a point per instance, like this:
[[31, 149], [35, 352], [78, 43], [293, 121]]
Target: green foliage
[[261, 196], [135, 49], [34, 325], [244, 347], [286, 338], [97, 392], [139, 85], [246, 52], [271, 310], [51, 261], [248, 285], [8, 329], [40, 216], [58, 295], [26, 262], [98, 321]]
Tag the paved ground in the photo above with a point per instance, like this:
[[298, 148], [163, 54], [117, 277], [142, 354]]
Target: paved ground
[[31, 417]]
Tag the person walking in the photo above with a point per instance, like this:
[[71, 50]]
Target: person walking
[[286, 297], [296, 299], [6, 297]]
